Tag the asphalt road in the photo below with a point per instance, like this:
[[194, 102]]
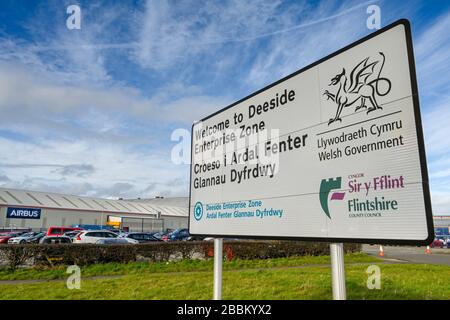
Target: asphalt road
[[411, 254]]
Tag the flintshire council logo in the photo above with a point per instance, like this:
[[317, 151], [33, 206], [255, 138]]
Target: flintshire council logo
[[198, 211], [325, 187]]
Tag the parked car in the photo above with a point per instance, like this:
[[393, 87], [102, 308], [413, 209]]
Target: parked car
[[115, 241], [437, 243], [55, 240], [224, 239], [91, 236], [71, 234], [160, 235], [179, 235], [22, 239], [59, 231], [194, 238], [36, 238], [93, 227], [5, 236], [166, 235], [446, 242], [141, 237]]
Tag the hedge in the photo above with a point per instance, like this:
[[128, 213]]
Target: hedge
[[14, 256]]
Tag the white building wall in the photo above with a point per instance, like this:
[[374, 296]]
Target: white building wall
[[61, 217], [171, 222], [53, 217]]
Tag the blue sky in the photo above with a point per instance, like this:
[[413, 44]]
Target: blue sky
[[91, 111]]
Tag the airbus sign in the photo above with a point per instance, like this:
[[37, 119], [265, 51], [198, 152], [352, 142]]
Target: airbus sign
[[23, 213]]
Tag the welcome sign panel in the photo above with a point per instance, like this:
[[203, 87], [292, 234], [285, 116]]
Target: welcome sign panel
[[333, 152]]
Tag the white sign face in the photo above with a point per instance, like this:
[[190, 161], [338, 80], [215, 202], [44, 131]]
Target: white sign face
[[333, 152]]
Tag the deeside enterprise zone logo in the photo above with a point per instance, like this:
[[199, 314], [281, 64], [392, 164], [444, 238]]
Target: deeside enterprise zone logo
[[326, 186], [198, 211]]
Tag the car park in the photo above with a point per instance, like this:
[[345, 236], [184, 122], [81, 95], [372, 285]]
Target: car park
[[22, 239], [179, 235], [437, 243], [59, 231], [71, 234], [92, 236], [141, 237], [158, 235], [5, 236], [446, 241], [118, 231], [224, 239], [163, 236], [194, 238], [36, 238], [55, 240], [116, 241]]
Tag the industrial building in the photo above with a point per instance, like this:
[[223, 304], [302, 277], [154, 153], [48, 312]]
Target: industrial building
[[442, 225], [20, 209]]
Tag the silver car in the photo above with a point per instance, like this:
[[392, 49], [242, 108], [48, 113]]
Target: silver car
[[22, 238], [116, 241], [92, 236]]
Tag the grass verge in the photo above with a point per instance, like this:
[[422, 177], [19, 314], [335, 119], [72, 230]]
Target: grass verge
[[262, 279], [110, 269], [398, 282]]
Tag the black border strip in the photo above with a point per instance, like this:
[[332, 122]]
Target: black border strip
[[420, 141]]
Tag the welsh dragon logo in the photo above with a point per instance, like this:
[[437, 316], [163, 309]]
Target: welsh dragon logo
[[361, 85]]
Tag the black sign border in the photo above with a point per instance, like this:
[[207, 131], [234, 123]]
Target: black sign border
[[420, 141]]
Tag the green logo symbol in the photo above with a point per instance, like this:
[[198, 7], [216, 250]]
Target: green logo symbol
[[325, 187]]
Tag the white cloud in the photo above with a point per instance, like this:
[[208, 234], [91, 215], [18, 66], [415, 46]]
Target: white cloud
[[436, 129], [432, 50], [290, 51], [27, 92], [117, 172], [82, 139], [440, 202], [171, 34]]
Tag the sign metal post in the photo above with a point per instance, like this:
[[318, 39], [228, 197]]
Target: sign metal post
[[218, 245], [338, 271]]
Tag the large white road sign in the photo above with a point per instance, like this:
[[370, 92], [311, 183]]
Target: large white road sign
[[333, 152]]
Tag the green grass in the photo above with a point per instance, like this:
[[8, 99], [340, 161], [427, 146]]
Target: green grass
[[245, 280], [110, 269]]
